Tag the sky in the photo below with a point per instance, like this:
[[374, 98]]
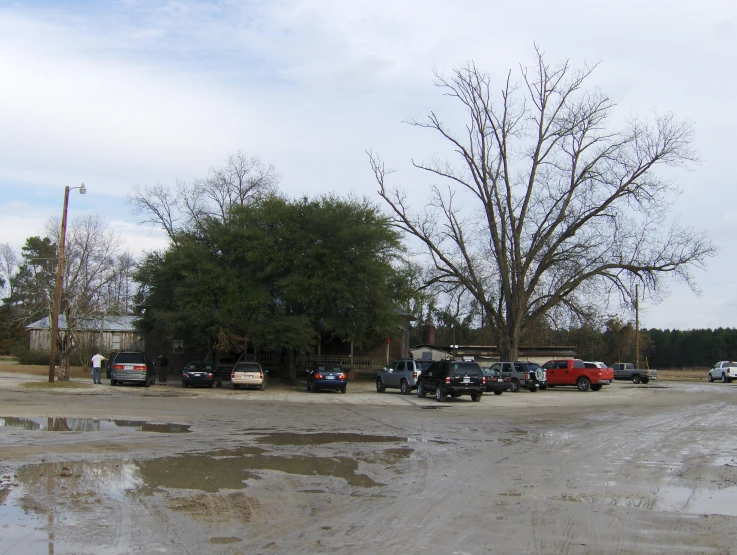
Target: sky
[[118, 94]]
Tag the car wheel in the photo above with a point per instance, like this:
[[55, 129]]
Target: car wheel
[[380, 387], [724, 378], [583, 384], [236, 386], [439, 395], [532, 389], [343, 390], [543, 386], [147, 383], [476, 397], [596, 387], [113, 382], [262, 387], [498, 392], [636, 378], [421, 390], [709, 377], [645, 380], [515, 386], [405, 388]]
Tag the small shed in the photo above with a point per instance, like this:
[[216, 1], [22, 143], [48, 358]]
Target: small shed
[[108, 333]]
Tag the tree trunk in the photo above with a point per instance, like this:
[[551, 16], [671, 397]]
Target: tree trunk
[[64, 372]]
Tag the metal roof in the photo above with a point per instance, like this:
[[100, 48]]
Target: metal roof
[[109, 323]]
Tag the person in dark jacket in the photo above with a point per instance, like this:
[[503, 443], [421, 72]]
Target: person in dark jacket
[[163, 363]]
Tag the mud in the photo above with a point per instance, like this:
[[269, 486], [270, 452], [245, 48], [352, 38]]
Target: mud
[[624, 470]]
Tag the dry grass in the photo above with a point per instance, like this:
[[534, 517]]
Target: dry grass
[[685, 374], [38, 370]]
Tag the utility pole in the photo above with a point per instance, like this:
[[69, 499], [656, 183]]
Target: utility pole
[[637, 325]]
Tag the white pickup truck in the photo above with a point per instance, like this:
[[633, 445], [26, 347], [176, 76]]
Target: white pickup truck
[[724, 370]]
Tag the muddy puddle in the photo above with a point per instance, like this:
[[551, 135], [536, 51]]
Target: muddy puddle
[[56, 424], [289, 438], [41, 497]]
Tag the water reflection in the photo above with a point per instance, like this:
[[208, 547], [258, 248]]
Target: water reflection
[[61, 424]]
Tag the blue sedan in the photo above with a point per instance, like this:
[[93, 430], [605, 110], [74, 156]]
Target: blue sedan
[[326, 376]]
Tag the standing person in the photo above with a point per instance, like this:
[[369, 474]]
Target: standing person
[[97, 367], [163, 363]]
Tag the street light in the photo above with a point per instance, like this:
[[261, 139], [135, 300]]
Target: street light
[[59, 273]]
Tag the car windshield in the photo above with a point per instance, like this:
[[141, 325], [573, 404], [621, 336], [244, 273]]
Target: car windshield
[[464, 369], [423, 365], [199, 366], [130, 358], [247, 367], [329, 368], [489, 372]]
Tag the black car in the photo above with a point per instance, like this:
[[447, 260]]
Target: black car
[[326, 376], [495, 382], [452, 377], [131, 366], [201, 372]]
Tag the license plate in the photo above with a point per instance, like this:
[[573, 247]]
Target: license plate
[[500, 380], [129, 367], [329, 377], [466, 380], [603, 381]]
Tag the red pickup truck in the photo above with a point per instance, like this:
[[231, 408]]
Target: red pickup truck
[[574, 372]]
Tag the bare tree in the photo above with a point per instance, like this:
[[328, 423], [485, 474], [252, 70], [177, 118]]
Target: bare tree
[[8, 266], [550, 210], [93, 265], [238, 182]]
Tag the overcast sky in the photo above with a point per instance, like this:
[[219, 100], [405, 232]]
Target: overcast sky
[[122, 93]]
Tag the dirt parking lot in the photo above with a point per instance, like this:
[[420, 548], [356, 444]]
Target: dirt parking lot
[[630, 469]]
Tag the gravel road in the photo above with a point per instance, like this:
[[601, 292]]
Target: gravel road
[[629, 469]]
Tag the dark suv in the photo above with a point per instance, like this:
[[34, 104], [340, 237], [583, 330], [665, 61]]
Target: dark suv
[[452, 377], [131, 366]]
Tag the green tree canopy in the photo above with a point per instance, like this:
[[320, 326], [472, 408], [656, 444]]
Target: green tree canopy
[[278, 274]]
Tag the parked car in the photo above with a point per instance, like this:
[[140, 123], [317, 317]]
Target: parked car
[[401, 374], [452, 377], [574, 372], [495, 382], [326, 376], [201, 372], [248, 374], [529, 375], [725, 370], [627, 371], [132, 366]]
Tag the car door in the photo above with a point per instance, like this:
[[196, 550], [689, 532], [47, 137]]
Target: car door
[[399, 373], [506, 369], [430, 377], [553, 373], [390, 376]]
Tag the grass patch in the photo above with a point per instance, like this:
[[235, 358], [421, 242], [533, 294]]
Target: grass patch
[[56, 385]]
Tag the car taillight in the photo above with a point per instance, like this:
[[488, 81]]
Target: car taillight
[[341, 376], [118, 367], [184, 374], [318, 376], [508, 379], [447, 379], [483, 379], [209, 375], [139, 367], [261, 374], [415, 374], [232, 375]]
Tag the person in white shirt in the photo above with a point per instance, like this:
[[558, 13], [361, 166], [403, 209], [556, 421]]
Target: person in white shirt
[[97, 367]]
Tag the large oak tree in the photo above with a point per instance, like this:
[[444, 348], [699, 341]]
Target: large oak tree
[[551, 207]]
